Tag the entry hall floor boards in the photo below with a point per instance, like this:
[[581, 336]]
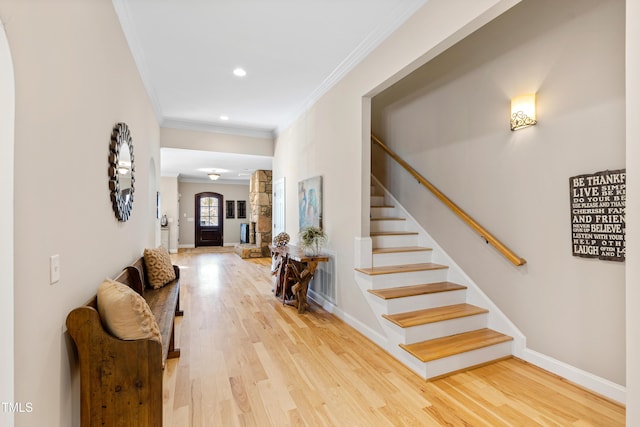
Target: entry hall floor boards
[[247, 360]]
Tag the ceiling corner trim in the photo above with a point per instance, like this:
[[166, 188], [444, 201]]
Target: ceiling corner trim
[[368, 45], [131, 37], [170, 175], [172, 123]]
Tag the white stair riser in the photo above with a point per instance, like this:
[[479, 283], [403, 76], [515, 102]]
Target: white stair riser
[[381, 212], [407, 359], [377, 200], [395, 280], [400, 258], [375, 191], [420, 302], [453, 363], [441, 329], [457, 362], [388, 225], [394, 241]]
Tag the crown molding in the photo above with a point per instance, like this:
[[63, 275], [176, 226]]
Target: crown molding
[[254, 132], [170, 175], [371, 42]]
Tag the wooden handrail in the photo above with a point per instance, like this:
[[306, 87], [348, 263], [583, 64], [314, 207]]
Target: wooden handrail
[[488, 237]]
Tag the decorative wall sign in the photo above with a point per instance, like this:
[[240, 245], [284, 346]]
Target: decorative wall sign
[[598, 215]]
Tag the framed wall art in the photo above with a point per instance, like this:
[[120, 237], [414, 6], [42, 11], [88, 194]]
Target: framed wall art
[[231, 209], [310, 202], [242, 209]]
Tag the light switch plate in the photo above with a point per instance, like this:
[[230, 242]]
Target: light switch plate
[[54, 268]]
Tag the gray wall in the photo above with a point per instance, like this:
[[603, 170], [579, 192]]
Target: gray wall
[[450, 121]]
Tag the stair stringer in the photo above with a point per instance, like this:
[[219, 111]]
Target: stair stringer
[[496, 319]]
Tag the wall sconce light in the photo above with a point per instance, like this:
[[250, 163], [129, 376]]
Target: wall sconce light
[[213, 176], [523, 111]]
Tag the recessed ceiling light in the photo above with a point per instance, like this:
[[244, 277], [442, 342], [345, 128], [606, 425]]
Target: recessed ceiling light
[[225, 118], [239, 72]]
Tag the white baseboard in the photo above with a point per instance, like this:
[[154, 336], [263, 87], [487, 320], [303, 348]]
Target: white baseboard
[[582, 378], [374, 336], [327, 305], [591, 382], [577, 376]]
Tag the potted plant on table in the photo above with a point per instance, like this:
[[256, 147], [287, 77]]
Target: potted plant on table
[[312, 239]]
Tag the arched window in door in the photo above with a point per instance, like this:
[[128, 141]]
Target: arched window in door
[[209, 231]]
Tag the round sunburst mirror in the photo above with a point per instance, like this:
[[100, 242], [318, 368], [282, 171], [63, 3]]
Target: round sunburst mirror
[[121, 171]]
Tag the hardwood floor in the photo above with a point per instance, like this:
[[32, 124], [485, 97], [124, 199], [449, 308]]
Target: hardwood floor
[[247, 360]]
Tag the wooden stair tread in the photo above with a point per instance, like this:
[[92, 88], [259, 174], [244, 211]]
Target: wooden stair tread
[[382, 206], [413, 290], [400, 249], [393, 233], [387, 218], [405, 268], [439, 348], [432, 315]]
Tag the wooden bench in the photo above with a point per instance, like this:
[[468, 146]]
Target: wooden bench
[[120, 380]]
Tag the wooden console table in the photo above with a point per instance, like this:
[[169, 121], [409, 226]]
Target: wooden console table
[[293, 270]]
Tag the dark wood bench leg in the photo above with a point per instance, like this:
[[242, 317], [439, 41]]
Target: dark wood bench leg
[[173, 352], [178, 311]]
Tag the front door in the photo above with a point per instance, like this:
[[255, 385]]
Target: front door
[[209, 219]]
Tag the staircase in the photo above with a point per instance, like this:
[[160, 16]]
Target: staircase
[[429, 322]]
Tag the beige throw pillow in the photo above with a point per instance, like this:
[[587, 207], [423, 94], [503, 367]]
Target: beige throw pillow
[[125, 313], [159, 267]]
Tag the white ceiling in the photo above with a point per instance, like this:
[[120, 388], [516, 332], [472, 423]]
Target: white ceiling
[[292, 50]]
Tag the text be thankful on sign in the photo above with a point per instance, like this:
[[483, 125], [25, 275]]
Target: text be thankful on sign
[[597, 215]]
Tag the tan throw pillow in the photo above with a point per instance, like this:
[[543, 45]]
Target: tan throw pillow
[[125, 313], [159, 268]]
